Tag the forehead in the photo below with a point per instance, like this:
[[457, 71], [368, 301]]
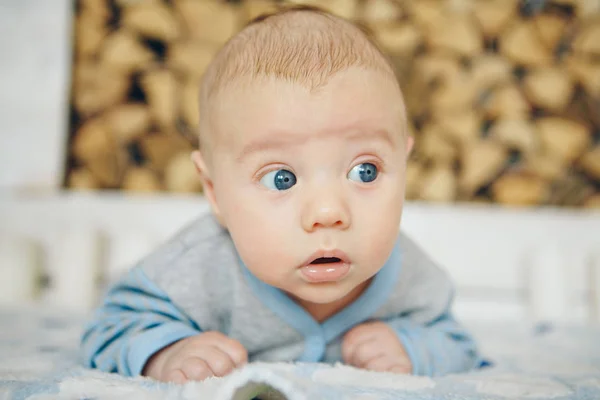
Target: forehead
[[354, 99]]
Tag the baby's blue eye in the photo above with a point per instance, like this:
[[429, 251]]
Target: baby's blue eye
[[281, 179], [365, 172]]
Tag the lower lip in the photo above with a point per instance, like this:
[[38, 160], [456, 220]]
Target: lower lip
[[330, 272]]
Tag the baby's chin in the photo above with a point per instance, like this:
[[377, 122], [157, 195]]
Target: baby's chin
[[321, 293], [318, 293]]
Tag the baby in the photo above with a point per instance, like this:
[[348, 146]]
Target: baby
[[303, 149]]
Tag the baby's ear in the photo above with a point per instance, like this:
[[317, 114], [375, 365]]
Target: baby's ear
[[207, 183]]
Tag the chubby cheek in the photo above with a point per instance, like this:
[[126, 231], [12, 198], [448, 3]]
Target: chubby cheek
[[379, 225], [260, 231]]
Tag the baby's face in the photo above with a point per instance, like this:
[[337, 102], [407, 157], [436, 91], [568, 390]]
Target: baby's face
[[311, 185]]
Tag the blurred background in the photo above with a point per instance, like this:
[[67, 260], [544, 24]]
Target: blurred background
[[503, 95]]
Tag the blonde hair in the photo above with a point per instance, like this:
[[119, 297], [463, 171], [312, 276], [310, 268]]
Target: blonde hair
[[304, 45]]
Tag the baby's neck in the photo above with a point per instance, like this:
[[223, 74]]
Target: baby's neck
[[320, 312]]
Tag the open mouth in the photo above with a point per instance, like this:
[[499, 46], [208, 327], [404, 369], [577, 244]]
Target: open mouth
[[326, 269], [326, 260]]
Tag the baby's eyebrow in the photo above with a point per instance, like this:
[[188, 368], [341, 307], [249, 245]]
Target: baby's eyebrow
[[282, 141]]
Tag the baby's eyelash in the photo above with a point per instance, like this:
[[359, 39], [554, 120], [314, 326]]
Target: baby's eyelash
[[377, 162], [258, 175]]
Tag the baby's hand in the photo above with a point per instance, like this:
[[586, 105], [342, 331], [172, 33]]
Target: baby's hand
[[196, 358], [375, 346]]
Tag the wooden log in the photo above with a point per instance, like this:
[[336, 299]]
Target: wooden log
[[140, 179], [427, 13], [494, 15], [108, 169], [460, 127], [506, 101], [91, 139], [518, 189], [481, 162], [417, 93], [190, 58], [521, 44], [587, 9], [189, 103], [402, 64], [543, 165], [439, 184], [590, 163], [592, 201], [344, 8], [434, 146], [456, 33], [579, 109], [398, 39], [570, 191], [122, 51], [586, 72], [256, 8], [587, 42], [96, 88], [454, 95], [549, 87], [89, 35], [95, 148], [381, 12], [181, 175], [82, 179], [151, 19], [438, 67], [99, 10], [516, 133], [209, 21], [489, 70], [593, 105], [129, 3], [159, 148], [160, 87], [564, 139], [570, 3], [128, 122], [460, 6], [550, 29], [414, 179]]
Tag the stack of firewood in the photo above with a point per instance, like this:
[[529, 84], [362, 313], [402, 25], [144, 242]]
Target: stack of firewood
[[503, 95]]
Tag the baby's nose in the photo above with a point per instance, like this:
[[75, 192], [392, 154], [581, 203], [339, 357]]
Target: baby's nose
[[326, 211]]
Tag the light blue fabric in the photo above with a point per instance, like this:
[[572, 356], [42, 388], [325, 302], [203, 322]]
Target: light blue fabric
[[142, 320], [441, 347]]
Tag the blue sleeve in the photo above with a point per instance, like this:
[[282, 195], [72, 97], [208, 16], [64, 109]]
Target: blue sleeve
[[437, 348], [135, 320]]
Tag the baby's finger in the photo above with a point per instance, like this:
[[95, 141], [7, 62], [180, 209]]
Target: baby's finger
[[365, 351], [196, 369], [358, 334], [401, 369], [234, 349], [219, 362], [176, 376], [351, 342], [381, 363]]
